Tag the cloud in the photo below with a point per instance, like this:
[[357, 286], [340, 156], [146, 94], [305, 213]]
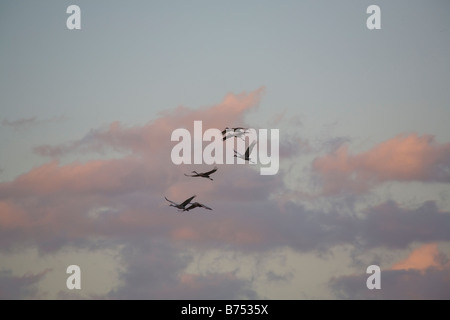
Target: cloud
[[432, 284], [19, 287], [52, 205], [403, 158], [107, 202], [241, 219], [420, 276], [154, 270], [292, 146], [96, 176], [28, 122], [122, 203], [154, 137], [420, 259], [389, 225], [19, 123], [272, 276], [119, 202]]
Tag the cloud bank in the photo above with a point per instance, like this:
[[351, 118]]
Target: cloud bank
[[424, 274], [118, 202], [402, 158]]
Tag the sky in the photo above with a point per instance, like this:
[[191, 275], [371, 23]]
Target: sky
[[364, 149]]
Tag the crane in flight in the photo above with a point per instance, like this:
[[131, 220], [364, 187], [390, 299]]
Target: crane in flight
[[181, 206], [202, 174], [246, 156]]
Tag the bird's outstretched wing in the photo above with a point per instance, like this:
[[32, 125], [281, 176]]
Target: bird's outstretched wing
[[185, 202], [195, 205], [203, 206], [170, 201], [249, 150], [237, 154], [212, 171]]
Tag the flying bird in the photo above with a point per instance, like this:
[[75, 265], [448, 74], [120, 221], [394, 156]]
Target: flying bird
[[246, 157], [196, 205], [202, 174], [181, 206]]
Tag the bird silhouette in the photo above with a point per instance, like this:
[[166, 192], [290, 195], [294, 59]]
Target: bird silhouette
[[182, 205], [202, 174]]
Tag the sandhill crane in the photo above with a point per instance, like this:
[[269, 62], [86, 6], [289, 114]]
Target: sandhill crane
[[181, 206], [202, 174], [246, 157], [196, 205]]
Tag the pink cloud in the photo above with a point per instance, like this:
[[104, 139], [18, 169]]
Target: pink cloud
[[121, 200], [12, 216], [422, 275], [148, 146], [222, 230], [403, 158], [422, 258], [154, 137], [54, 204], [217, 286], [96, 176]]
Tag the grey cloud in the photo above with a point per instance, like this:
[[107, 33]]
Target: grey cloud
[[29, 121], [19, 123], [272, 276], [432, 284], [391, 226], [19, 287], [243, 219], [121, 201], [154, 270]]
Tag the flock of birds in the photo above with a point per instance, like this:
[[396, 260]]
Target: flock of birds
[[238, 132]]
